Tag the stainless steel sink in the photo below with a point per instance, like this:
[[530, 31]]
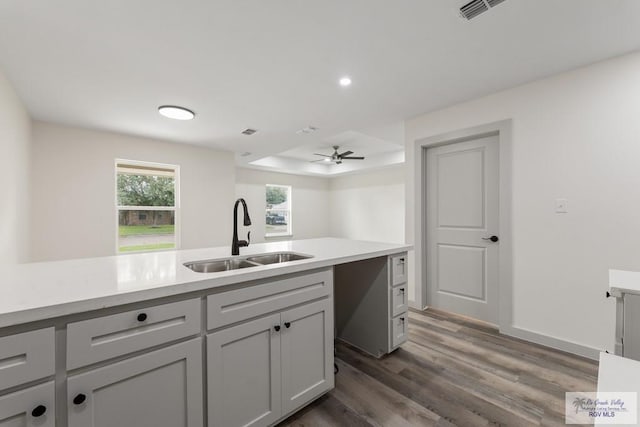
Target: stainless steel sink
[[278, 257], [218, 265], [213, 266]]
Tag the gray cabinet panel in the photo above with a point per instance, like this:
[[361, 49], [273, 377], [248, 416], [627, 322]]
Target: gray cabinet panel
[[16, 409], [161, 388], [307, 353], [244, 374]]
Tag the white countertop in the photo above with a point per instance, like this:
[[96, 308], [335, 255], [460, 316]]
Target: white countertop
[[618, 374], [624, 281], [30, 292]]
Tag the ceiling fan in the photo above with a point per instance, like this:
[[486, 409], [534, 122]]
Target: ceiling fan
[[336, 157]]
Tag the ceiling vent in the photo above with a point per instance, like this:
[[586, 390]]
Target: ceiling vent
[[477, 7], [307, 130], [249, 131]]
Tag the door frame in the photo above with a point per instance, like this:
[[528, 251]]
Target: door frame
[[503, 130]]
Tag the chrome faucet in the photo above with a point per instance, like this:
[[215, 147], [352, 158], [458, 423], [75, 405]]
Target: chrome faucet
[[237, 244]]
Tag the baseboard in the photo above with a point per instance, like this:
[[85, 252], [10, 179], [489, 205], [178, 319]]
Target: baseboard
[[556, 343]]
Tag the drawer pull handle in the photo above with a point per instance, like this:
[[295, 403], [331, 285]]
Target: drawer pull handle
[[79, 399], [402, 290], [39, 411], [142, 317], [277, 328], [287, 325]]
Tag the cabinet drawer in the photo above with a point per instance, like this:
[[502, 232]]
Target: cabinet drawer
[[398, 269], [26, 357], [399, 303], [399, 330], [103, 338], [242, 304], [32, 407]]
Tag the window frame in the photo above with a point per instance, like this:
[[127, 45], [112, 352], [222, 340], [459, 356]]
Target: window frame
[[289, 232], [175, 208]]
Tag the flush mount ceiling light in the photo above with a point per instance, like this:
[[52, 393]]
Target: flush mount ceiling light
[[345, 81], [176, 113]]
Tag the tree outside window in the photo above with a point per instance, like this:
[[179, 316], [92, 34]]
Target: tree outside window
[[278, 212], [146, 199]]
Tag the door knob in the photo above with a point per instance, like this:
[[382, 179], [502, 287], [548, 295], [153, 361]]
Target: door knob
[[492, 238]]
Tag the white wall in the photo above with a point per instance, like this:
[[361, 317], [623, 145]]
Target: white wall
[[15, 134], [369, 205], [73, 191], [575, 136], [310, 203]]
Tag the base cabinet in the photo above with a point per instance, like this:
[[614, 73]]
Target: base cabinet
[[33, 407], [160, 388], [261, 370]]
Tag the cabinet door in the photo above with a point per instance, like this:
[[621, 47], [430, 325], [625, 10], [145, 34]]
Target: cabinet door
[[161, 388], [243, 369], [32, 407], [307, 354]]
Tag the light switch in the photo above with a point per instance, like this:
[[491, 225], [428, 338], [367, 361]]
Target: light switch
[[562, 205]]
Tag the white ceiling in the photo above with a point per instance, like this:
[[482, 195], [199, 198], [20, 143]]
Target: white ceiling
[[273, 65]]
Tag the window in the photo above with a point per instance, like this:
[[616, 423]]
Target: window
[[146, 206], [278, 215]]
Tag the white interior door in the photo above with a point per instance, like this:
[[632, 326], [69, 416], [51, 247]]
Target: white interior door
[[462, 219]]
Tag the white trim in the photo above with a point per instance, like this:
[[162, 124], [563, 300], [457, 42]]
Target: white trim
[[503, 130], [176, 208], [553, 342]]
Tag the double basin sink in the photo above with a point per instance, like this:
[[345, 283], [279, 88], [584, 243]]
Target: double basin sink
[[218, 265]]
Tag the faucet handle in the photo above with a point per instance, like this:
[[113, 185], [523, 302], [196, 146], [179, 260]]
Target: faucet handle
[[248, 238]]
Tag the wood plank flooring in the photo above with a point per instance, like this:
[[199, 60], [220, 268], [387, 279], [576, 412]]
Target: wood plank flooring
[[453, 371]]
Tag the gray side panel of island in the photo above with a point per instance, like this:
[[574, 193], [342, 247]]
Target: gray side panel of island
[[361, 304]]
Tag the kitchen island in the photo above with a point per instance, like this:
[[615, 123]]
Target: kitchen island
[[143, 340]]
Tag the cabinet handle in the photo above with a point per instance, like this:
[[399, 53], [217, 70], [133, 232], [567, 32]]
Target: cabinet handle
[[39, 411], [402, 290], [287, 325], [277, 328], [142, 317], [402, 318], [79, 399], [608, 294]]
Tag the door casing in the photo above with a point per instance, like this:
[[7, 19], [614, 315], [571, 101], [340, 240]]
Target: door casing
[[503, 130]]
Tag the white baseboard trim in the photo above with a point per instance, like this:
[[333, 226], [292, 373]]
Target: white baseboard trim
[[547, 341]]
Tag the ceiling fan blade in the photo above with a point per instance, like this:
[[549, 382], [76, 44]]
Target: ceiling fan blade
[[316, 161], [323, 155], [346, 153], [352, 158]]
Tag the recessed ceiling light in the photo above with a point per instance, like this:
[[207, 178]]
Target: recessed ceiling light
[[345, 81], [176, 113]]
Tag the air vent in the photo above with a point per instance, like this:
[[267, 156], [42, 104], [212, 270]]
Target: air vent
[[249, 131], [307, 130], [477, 7]]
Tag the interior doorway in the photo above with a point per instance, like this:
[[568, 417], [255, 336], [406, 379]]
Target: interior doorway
[[462, 227]]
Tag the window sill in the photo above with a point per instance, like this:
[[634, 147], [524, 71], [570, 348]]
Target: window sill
[[271, 236]]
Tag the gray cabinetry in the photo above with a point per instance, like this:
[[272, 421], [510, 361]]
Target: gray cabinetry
[[32, 407], [160, 388]]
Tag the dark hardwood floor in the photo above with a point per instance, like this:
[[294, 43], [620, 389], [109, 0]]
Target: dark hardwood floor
[[452, 371]]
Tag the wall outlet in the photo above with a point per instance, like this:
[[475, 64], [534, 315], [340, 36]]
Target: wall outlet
[[562, 206]]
